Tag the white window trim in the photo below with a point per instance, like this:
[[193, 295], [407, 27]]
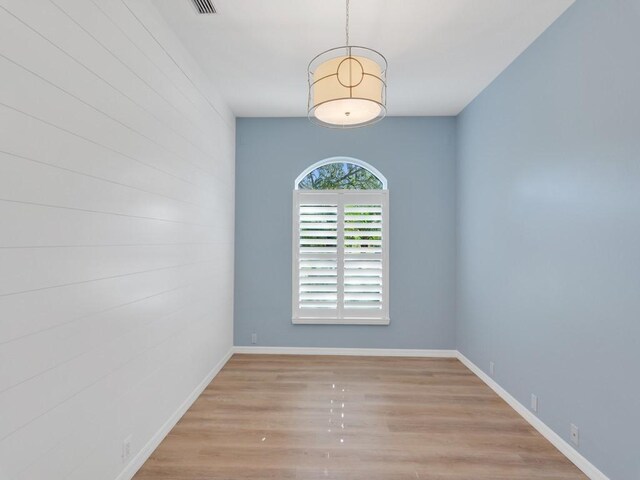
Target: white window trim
[[341, 197]]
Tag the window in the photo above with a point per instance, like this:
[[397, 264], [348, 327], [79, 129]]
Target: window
[[340, 244]]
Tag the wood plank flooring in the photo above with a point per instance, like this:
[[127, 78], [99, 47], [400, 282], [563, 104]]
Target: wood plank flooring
[[352, 418]]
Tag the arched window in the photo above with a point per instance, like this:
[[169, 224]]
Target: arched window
[[340, 244], [341, 173]]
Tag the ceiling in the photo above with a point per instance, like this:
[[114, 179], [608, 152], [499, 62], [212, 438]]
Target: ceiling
[[441, 53]]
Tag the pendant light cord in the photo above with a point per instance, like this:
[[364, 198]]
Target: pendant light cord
[[347, 24]]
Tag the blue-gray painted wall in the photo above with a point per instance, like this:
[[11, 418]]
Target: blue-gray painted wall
[[417, 156], [549, 230]]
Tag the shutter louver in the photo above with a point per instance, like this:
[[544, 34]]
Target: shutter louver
[[363, 271], [340, 257], [318, 257]]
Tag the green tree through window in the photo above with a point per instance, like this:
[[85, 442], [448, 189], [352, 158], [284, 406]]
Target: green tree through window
[[340, 176]]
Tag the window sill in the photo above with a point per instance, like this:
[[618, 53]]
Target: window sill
[[340, 321]]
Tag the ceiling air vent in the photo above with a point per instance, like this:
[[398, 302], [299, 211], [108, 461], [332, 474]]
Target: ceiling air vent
[[204, 7]]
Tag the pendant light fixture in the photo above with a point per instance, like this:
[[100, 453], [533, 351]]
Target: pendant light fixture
[[347, 86]]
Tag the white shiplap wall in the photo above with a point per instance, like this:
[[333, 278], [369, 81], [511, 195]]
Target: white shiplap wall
[[116, 233]]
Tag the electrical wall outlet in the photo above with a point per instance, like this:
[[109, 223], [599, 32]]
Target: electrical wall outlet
[[254, 338], [492, 368], [126, 449], [534, 403], [574, 434]]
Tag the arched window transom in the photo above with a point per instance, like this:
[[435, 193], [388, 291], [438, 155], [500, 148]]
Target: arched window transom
[[341, 173]]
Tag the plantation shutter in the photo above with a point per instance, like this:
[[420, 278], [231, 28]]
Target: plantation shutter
[[340, 257]]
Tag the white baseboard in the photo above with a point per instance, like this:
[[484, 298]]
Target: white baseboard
[[565, 448], [362, 352], [132, 468]]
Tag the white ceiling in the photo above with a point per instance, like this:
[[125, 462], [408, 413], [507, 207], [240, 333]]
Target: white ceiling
[[441, 53]]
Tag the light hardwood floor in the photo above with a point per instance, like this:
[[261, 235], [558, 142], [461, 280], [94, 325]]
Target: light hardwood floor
[[352, 418]]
